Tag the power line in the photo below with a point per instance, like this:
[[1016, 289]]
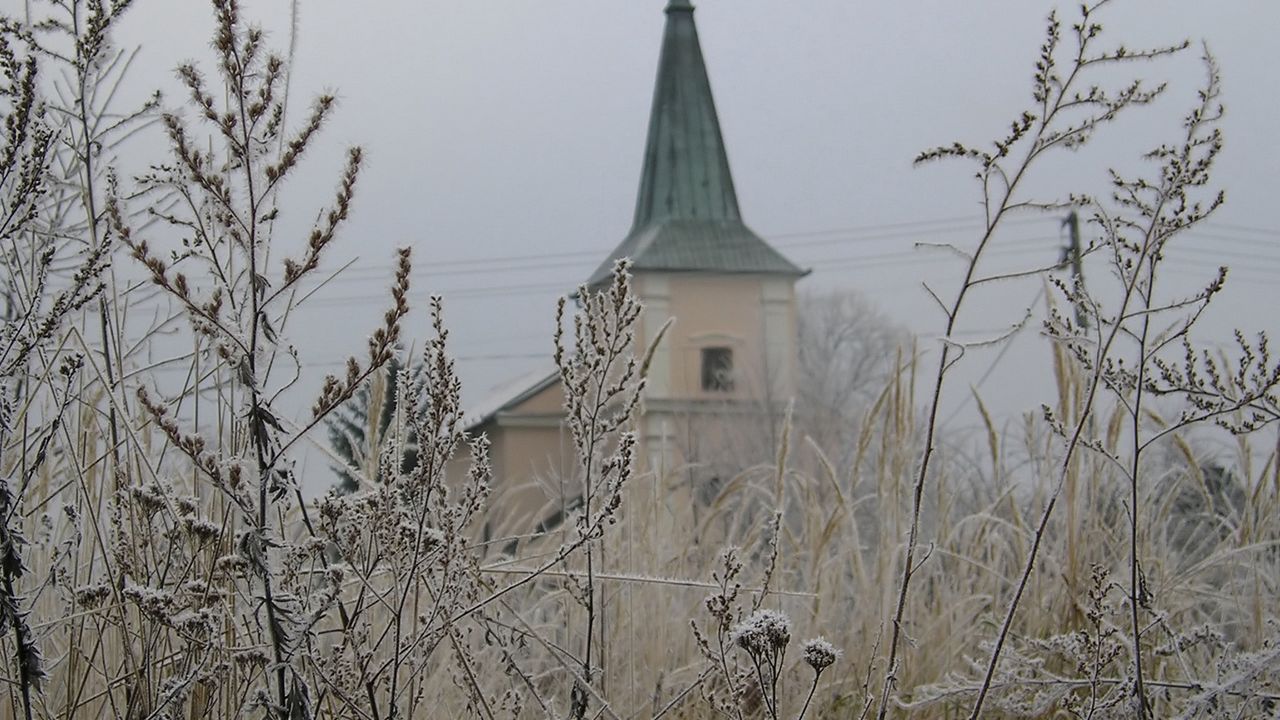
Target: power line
[[1219, 252], [823, 265], [1274, 232], [780, 238], [851, 237], [585, 258], [910, 256], [1180, 265], [877, 228], [510, 263]]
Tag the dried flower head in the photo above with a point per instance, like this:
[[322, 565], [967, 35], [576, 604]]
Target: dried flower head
[[91, 596], [820, 654], [249, 657], [763, 631]]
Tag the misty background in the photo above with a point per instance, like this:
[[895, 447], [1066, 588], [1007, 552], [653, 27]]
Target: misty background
[[503, 142]]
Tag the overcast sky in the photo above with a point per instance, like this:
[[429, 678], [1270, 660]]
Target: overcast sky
[[504, 139]]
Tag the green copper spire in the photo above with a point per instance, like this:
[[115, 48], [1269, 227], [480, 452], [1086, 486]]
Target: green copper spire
[[686, 171], [687, 216]]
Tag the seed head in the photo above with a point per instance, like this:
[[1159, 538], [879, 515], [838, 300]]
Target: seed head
[[820, 654], [763, 631]]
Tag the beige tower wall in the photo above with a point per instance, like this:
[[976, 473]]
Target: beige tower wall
[[751, 314], [693, 438]]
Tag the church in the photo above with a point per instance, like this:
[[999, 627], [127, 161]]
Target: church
[[729, 358]]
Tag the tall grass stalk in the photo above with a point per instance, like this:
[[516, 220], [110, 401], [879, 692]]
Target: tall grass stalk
[[1066, 114]]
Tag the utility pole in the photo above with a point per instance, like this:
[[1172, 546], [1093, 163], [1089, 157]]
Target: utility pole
[[1072, 254]]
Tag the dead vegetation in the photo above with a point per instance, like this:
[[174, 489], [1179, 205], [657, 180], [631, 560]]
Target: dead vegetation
[[159, 560]]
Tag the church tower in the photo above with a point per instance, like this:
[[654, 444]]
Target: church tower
[[724, 372], [732, 349]]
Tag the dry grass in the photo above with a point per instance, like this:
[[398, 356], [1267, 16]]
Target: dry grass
[[1099, 559]]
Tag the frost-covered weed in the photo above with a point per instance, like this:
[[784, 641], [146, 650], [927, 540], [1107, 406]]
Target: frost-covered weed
[[158, 560]]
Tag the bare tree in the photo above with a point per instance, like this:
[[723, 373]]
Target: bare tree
[[849, 351]]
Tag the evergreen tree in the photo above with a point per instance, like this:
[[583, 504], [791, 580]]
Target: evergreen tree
[[356, 441]]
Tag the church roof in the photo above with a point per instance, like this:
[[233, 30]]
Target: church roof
[[508, 395], [687, 215]]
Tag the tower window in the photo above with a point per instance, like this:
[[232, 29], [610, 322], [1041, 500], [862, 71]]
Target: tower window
[[717, 369]]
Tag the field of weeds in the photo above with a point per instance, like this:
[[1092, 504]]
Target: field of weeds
[[159, 559]]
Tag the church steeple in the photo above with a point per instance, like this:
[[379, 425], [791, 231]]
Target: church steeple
[[686, 171], [687, 216]]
